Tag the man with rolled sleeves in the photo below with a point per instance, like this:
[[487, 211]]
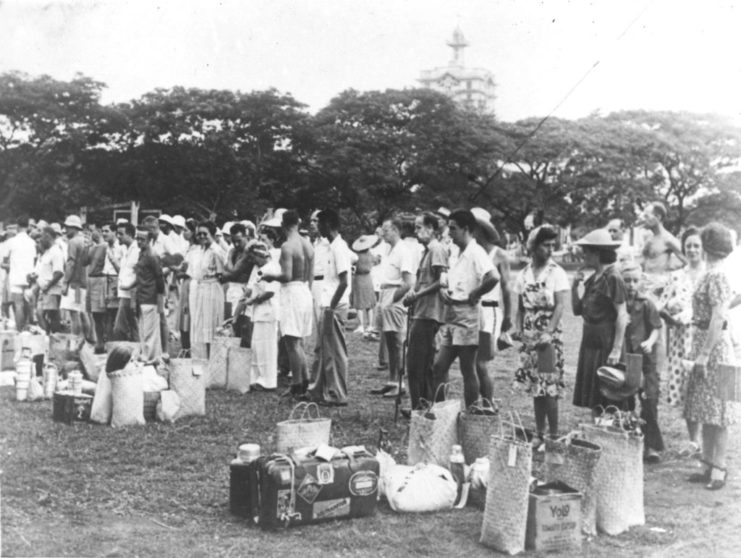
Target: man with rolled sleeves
[[471, 274]]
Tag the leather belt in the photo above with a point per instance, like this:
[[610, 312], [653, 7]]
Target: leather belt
[[490, 303], [318, 277]]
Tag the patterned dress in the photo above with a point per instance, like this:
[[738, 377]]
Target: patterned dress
[[702, 404], [538, 300], [678, 292]]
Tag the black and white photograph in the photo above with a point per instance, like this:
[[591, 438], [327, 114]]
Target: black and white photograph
[[370, 278]]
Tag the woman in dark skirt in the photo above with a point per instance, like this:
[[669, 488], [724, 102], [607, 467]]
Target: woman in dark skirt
[[602, 307]]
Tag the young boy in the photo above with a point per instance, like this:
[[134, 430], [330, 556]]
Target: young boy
[[641, 337], [263, 300]]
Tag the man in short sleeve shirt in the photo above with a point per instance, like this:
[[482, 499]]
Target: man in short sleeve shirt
[[396, 280], [427, 308], [472, 275]]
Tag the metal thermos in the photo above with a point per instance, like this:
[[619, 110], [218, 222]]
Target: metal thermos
[[243, 482]]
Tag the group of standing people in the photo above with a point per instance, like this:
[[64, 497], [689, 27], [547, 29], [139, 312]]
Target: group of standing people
[[671, 305]]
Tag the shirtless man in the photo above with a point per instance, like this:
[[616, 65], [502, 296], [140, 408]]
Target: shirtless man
[[296, 302], [659, 248]]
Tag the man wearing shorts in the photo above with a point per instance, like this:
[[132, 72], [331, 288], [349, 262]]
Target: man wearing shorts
[[49, 274], [471, 275], [396, 280], [296, 302], [487, 236], [21, 261], [126, 327], [74, 289]]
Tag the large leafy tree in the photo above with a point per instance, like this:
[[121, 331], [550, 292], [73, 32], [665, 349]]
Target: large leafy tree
[[208, 151], [375, 153], [46, 126]]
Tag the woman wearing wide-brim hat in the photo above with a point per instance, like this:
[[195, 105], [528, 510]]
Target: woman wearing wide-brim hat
[[362, 296], [603, 309]]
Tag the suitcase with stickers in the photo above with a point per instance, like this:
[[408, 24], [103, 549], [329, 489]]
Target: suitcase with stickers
[[300, 491]]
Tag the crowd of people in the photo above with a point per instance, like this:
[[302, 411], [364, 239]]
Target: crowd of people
[[437, 285]]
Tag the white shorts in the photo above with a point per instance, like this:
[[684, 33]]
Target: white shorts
[[74, 300], [487, 319], [233, 293], [296, 309]]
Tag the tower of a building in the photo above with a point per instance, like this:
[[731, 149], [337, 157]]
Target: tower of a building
[[472, 87]]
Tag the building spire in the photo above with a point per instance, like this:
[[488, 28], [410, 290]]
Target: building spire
[[457, 44]]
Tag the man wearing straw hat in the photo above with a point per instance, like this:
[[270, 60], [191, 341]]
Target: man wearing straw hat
[[487, 236], [471, 275]]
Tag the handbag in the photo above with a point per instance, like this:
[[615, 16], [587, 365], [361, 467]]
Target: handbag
[[476, 425], [573, 461], [434, 431], [238, 369], [618, 477], [507, 495], [729, 382], [301, 429], [216, 375], [188, 380]]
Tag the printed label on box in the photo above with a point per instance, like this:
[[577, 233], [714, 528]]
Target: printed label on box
[[283, 503], [363, 483], [339, 507]]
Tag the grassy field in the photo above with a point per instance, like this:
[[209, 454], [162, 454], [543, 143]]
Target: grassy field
[[162, 490]]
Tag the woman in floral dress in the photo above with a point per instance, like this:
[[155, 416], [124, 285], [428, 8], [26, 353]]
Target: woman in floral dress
[[675, 306], [542, 287], [712, 346]]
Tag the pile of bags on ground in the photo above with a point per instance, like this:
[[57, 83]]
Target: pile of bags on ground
[[588, 481]]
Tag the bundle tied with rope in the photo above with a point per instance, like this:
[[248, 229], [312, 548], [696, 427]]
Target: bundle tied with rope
[[619, 471], [305, 427], [505, 514], [433, 429]]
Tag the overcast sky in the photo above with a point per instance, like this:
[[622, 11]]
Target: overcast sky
[[676, 55]]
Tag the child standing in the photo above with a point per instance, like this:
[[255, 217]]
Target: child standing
[[641, 337], [263, 300]]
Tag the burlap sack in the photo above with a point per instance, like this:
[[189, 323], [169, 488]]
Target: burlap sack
[[127, 397], [102, 401], [238, 369]]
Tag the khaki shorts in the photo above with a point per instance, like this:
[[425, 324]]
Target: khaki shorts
[[74, 300], [461, 326]]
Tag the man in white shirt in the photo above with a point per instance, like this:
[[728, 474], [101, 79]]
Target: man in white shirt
[[126, 327], [321, 257], [487, 236], [330, 384], [414, 247], [472, 275], [49, 273], [21, 261], [396, 280]]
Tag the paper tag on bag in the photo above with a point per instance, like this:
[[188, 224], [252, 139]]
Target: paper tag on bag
[[512, 459]]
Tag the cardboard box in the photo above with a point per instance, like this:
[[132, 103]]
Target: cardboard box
[[554, 518]]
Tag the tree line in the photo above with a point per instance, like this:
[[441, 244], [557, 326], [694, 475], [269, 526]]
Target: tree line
[[232, 154]]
